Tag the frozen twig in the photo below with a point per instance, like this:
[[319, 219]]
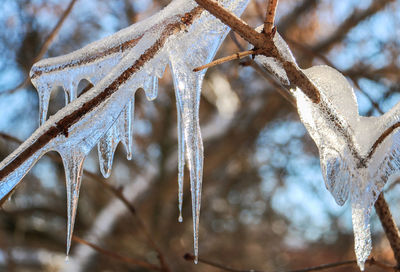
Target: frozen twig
[[238, 55], [265, 44], [49, 40]]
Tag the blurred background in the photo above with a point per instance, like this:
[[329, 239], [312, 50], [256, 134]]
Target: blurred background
[[264, 204]]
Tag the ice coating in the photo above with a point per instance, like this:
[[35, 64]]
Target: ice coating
[[183, 35], [274, 66], [151, 88], [120, 131], [358, 154]]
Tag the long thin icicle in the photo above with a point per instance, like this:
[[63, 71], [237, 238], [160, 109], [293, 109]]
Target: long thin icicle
[[181, 153], [73, 165], [127, 137], [187, 85]]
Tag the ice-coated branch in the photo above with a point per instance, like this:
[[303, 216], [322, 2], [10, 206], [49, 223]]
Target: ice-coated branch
[[64, 119], [358, 154], [182, 35], [266, 45]]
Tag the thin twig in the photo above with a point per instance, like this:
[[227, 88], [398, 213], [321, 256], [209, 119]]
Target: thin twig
[[118, 257], [270, 16], [265, 44], [45, 46], [238, 55], [371, 262], [389, 226]]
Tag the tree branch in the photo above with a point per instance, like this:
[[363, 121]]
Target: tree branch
[[371, 262], [238, 55], [265, 44], [389, 226]]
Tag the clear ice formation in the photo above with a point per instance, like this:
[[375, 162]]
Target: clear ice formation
[[182, 35], [358, 154], [273, 65]]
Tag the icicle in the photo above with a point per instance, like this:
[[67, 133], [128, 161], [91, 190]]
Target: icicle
[[362, 234], [44, 97], [150, 87], [187, 88], [71, 92], [73, 165], [127, 136], [181, 153], [106, 148], [121, 130]]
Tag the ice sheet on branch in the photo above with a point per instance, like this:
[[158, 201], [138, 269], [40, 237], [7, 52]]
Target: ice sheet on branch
[[358, 154], [183, 35]]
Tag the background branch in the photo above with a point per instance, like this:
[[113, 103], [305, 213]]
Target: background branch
[[46, 44]]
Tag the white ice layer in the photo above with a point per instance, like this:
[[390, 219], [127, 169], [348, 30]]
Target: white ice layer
[[189, 45], [355, 159]]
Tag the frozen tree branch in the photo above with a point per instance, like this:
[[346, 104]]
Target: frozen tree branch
[[264, 43], [63, 125]]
